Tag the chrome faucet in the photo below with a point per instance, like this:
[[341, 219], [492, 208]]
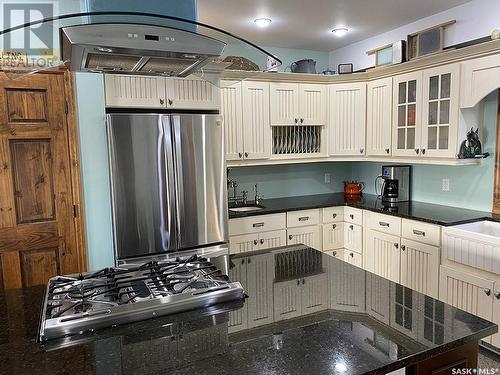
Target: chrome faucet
[[237, 199], [257, 198]]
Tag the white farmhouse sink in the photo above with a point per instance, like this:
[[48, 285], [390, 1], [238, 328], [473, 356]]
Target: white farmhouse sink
[[474, 244], [246, 209]]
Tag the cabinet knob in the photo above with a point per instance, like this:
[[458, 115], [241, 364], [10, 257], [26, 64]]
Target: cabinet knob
[[162, 101], [403, 247], [243, 261], [255, 242], [396, 245], [387, 150], [301, 120], [487, 291], [497, 295], [170, 102], [351, 216], [298, 282], [361, 150], [262, 241], [334, 216], [334, 226], [417, 151], [303, 281], [352, 255], [296, 120], [240, 155], [423, 151], [246, 154], [351, 227], [334, 253], [290, 236]]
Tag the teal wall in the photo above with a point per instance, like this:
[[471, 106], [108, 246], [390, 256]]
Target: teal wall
[[290, 180], [470, 186]]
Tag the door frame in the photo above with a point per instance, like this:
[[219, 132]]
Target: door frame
[[496, 181]]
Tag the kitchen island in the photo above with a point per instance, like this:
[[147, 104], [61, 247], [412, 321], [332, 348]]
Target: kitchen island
[[306, 312]]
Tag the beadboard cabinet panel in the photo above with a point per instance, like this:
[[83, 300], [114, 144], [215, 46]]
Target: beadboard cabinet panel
[[192, 93], [256, 121], [232, 112], [312, 104], [382, 255], [379, 117], [284, 103], [134, 91], [308, 236]]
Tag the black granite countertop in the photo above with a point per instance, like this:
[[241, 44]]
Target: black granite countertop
[[320, 313], [432, 213]]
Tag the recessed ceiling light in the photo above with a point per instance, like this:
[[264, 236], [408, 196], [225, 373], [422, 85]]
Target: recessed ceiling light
[[340, 31], [262, 22]]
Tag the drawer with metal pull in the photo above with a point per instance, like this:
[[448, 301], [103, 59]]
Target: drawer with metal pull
[[421, 232], [302, 218], [255, 224], [347, 255], [383, 223], [333, 214], [353, 215]]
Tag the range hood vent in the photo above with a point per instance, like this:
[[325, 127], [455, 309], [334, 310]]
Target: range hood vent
[[137, 49]]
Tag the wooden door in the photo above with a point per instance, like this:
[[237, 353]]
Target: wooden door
[[232, 113], [260, 275], [256, 124], [382, 255], [284, 103], [40, 223], [134, 91], [379, 117], [420, 267], [347, 116], [314, 293], [406, 121], [312, 104], [192, 93], [308, 236], [441, 89]]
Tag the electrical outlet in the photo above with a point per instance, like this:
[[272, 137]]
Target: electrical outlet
[[328, 178], [446, 184]]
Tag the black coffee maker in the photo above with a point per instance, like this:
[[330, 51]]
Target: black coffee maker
[[396, 184]]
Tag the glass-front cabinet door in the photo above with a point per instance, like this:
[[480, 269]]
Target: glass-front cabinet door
[[407, 89], [440, 114]]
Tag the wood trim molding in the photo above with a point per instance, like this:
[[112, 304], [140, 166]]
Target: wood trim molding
[[496, 187]]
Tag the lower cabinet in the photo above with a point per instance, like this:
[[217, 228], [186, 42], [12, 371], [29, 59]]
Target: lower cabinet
[[382, 256], [302, 296], [308, 236], [333, 236], [346, 288], [353, 237], [348, 256], [420, 267], [257, 241], [255, 275]]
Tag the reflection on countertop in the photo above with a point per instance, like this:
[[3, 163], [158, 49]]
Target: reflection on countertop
[[428, 212], [306, 312]]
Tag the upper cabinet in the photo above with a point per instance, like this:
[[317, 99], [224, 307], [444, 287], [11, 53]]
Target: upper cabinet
[[407, 92], [247, 131], [298, 104], [479, 77], [159, 92], [440, 111], [347, 115], [379, 117], [134, 91]]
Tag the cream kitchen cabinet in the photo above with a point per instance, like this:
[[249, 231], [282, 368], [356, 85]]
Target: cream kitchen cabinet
[[382, 255], [347, 118], [160, 92], [420, 267], [297, 104], [302, 296], [255, 274], [191, 93], [333, 236], [308, 236], [379, 117], [256, 241], [247, 132], [353, 237], [134, 91], [440, 104], [407, 111], [479, 77], [348, 256]]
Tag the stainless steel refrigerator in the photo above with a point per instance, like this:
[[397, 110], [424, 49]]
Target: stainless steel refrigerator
[[168, 184]]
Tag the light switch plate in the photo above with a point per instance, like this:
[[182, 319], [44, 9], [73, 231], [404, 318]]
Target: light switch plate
[[328, 178], [446, 184]]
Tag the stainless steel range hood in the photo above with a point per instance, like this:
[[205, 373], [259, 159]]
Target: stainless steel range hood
[[127, 48]]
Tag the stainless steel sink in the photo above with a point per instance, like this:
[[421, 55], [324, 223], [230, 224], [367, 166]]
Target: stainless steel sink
[[246, 208]]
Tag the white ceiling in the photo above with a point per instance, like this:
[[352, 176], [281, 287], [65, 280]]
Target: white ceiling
[[307, 24]]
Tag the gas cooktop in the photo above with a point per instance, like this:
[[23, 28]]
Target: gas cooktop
[[88, 301]]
